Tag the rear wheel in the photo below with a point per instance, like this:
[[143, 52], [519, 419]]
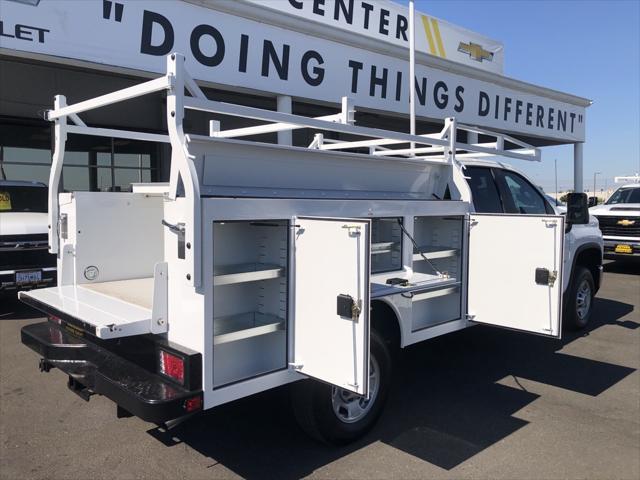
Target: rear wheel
[[336, 416], [579, 300]]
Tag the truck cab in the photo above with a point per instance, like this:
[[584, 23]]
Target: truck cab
[[497, 187]]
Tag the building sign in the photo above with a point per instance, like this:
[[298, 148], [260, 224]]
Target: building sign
[[388, 21], [234, 51]]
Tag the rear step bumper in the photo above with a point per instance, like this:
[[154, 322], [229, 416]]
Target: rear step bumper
[[93, 369]]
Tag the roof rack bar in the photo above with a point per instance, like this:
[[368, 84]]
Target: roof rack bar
[[145, 88], [304, 122], [269, 128], [112, 132]]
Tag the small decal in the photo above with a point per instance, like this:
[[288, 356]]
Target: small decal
[[91, 272]]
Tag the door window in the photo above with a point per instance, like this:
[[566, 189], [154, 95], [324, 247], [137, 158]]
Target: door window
[[521, 196], [484, 190]]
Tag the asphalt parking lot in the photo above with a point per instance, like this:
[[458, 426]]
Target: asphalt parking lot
[[481, 403]]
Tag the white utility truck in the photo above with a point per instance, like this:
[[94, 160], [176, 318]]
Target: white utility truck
[[258, 264]]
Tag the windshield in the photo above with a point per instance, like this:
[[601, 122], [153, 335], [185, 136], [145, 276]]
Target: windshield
[[625, 195], [23, 199]]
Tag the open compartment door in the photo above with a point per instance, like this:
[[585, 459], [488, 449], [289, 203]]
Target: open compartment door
[[515, 272], [331, 300]]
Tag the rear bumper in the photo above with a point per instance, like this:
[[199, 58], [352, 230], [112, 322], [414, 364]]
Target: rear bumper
[[94, 369], [8, 280]]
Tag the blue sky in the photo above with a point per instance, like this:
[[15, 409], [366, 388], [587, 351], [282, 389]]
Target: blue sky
[[587, 48]]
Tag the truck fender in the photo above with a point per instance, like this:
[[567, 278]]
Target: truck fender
[[595, 269], [385, 319]]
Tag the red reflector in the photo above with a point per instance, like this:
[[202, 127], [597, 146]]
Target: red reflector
[[193, 404], [171, 366]]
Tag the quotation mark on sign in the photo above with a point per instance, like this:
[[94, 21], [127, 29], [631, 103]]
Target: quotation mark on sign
[[106, 10], [579, 118]]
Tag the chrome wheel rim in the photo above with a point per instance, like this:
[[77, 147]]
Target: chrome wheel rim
[[583, 300], [350, 407]]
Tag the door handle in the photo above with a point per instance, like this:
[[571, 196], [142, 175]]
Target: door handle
[[546, 277], [349, 307]]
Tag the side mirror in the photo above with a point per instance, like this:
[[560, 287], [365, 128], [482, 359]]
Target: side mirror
[[593, 201], [577, 209]]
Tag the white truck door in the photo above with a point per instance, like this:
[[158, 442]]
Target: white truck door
[[331, 301], [515, 271]]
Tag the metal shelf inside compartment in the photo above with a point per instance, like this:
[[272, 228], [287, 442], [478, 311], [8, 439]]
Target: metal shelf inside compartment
[[246, 272], [383, 247], [244, 325], [435, 252], [435, 292], [419, 279]]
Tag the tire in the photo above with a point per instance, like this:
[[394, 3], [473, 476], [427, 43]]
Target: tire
[[578, 304], [320, 408]]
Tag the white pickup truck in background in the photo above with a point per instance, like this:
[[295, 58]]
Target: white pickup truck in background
[[498, 188], [619, 219], [25, 262]]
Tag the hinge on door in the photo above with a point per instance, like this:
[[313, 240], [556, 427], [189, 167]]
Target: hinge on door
[[296, 366], [553, 276], [470, 316], [356, 310], [473, 222]]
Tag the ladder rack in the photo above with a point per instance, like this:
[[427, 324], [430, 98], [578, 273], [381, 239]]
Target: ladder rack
[[439, 149]]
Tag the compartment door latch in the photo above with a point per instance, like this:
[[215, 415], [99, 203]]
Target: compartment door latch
[[348, 307], [179, 230], [546, 277]]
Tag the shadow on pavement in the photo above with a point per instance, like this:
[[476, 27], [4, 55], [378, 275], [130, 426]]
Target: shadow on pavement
[[445, 406], [630, 266]]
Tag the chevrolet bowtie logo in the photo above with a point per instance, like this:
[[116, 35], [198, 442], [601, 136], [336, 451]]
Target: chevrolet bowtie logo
[[475, 51], [626, 223]]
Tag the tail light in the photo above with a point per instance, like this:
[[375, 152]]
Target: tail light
[[193, 404], [171, 365], [179, 364]]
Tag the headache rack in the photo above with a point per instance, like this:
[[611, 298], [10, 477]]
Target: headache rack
[[371, 144]]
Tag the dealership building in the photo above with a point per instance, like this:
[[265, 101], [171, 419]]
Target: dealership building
[[299, 56]]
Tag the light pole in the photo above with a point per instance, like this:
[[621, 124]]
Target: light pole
[[412, 72], [594, 186], [555, 166]]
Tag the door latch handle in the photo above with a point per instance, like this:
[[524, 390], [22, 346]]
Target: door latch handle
[[179, 230], [546, 277], [349, 307]]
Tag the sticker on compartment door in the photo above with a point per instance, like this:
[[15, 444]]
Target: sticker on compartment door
[[5, 202], [91, 272]]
